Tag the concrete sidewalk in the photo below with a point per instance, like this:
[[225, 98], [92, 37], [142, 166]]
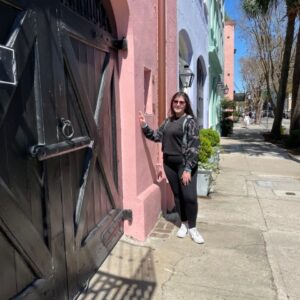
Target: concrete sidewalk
[[251, 225]]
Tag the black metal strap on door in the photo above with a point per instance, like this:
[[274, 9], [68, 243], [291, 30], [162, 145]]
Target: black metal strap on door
[[106, 228], [70, 144], [43, 152]]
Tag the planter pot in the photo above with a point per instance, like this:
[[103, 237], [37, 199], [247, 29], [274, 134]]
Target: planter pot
[[204, 180], [214, 159]]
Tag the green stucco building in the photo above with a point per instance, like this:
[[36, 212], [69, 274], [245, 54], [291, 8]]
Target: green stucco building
[[216, 60]]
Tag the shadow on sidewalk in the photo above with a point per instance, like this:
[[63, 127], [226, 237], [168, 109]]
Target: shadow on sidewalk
[[251, 142], [115, 287], [127, 273]]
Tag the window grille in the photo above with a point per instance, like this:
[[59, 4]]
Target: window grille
[[92, 10]]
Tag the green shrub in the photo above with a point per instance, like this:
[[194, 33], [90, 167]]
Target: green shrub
[[226, 103], [226, 127], [228, 107], [205, 150], [212, 135], [236, 116], [293, 140]]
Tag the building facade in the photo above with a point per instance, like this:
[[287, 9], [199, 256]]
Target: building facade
[[75, 168], [148, 79], [74, 157], [192, 31], [216, 60], [229, 52]]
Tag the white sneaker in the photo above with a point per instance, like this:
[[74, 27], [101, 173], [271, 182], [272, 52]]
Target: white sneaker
[[183, 231], [196, 236]]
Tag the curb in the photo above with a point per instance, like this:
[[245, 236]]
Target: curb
[[294, 157]]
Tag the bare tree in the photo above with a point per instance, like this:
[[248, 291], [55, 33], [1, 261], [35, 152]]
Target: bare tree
[[254, 8], [264, 36], [295, 113], [254, 81]]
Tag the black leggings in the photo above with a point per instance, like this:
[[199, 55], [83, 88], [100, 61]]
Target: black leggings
[[185, 196]]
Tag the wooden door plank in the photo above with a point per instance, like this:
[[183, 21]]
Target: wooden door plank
[[114, 216], [109, 182], [103, 163], [23, 234], [19, 4], [110, 187], [80, 214], [56, 226], [107, 70], [8, 270], [68, 217], [24, 275], [75, 75]]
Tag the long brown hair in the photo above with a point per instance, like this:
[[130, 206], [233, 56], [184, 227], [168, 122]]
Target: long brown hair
[[188, 109]]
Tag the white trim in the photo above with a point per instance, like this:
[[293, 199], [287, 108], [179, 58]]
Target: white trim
[[14, 68]]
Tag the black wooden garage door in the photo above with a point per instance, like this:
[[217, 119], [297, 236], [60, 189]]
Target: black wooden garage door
[[60, 207]]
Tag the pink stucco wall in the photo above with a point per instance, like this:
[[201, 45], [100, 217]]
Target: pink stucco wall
[[144, 190], [229, 57]]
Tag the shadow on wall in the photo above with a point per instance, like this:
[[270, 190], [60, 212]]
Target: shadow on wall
[[127, 273], [120, 11]]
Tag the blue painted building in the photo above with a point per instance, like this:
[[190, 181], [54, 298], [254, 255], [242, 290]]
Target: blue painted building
[[192, 26]]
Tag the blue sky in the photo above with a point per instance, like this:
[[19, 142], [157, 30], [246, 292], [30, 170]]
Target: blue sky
[[232, 8]]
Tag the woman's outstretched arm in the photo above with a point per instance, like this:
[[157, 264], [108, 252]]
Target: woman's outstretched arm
[[153, 135]]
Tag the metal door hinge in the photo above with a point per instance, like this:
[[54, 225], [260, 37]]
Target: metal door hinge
[[127, 215], [121, 44]]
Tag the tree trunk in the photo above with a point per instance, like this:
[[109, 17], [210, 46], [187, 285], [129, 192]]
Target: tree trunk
[[295, 113], [276, 132], [258, 111]]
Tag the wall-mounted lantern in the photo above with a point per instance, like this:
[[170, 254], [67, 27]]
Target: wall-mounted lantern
[[222, 89], [186, 77], [226, 89]]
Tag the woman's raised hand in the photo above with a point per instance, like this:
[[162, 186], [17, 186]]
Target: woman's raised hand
[[142, 119]]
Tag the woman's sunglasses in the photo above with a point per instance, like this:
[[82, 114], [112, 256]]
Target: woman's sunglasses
[[179, 102]]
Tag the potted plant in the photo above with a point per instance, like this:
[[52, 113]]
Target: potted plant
[[214, 138], [204, 176], [228, 107], [208, 159]]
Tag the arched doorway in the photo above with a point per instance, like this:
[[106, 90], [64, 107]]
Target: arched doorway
[[201, 76], [185, 51]]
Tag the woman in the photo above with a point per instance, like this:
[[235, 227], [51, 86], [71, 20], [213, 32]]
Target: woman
[[180, 146], [247, 120]]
